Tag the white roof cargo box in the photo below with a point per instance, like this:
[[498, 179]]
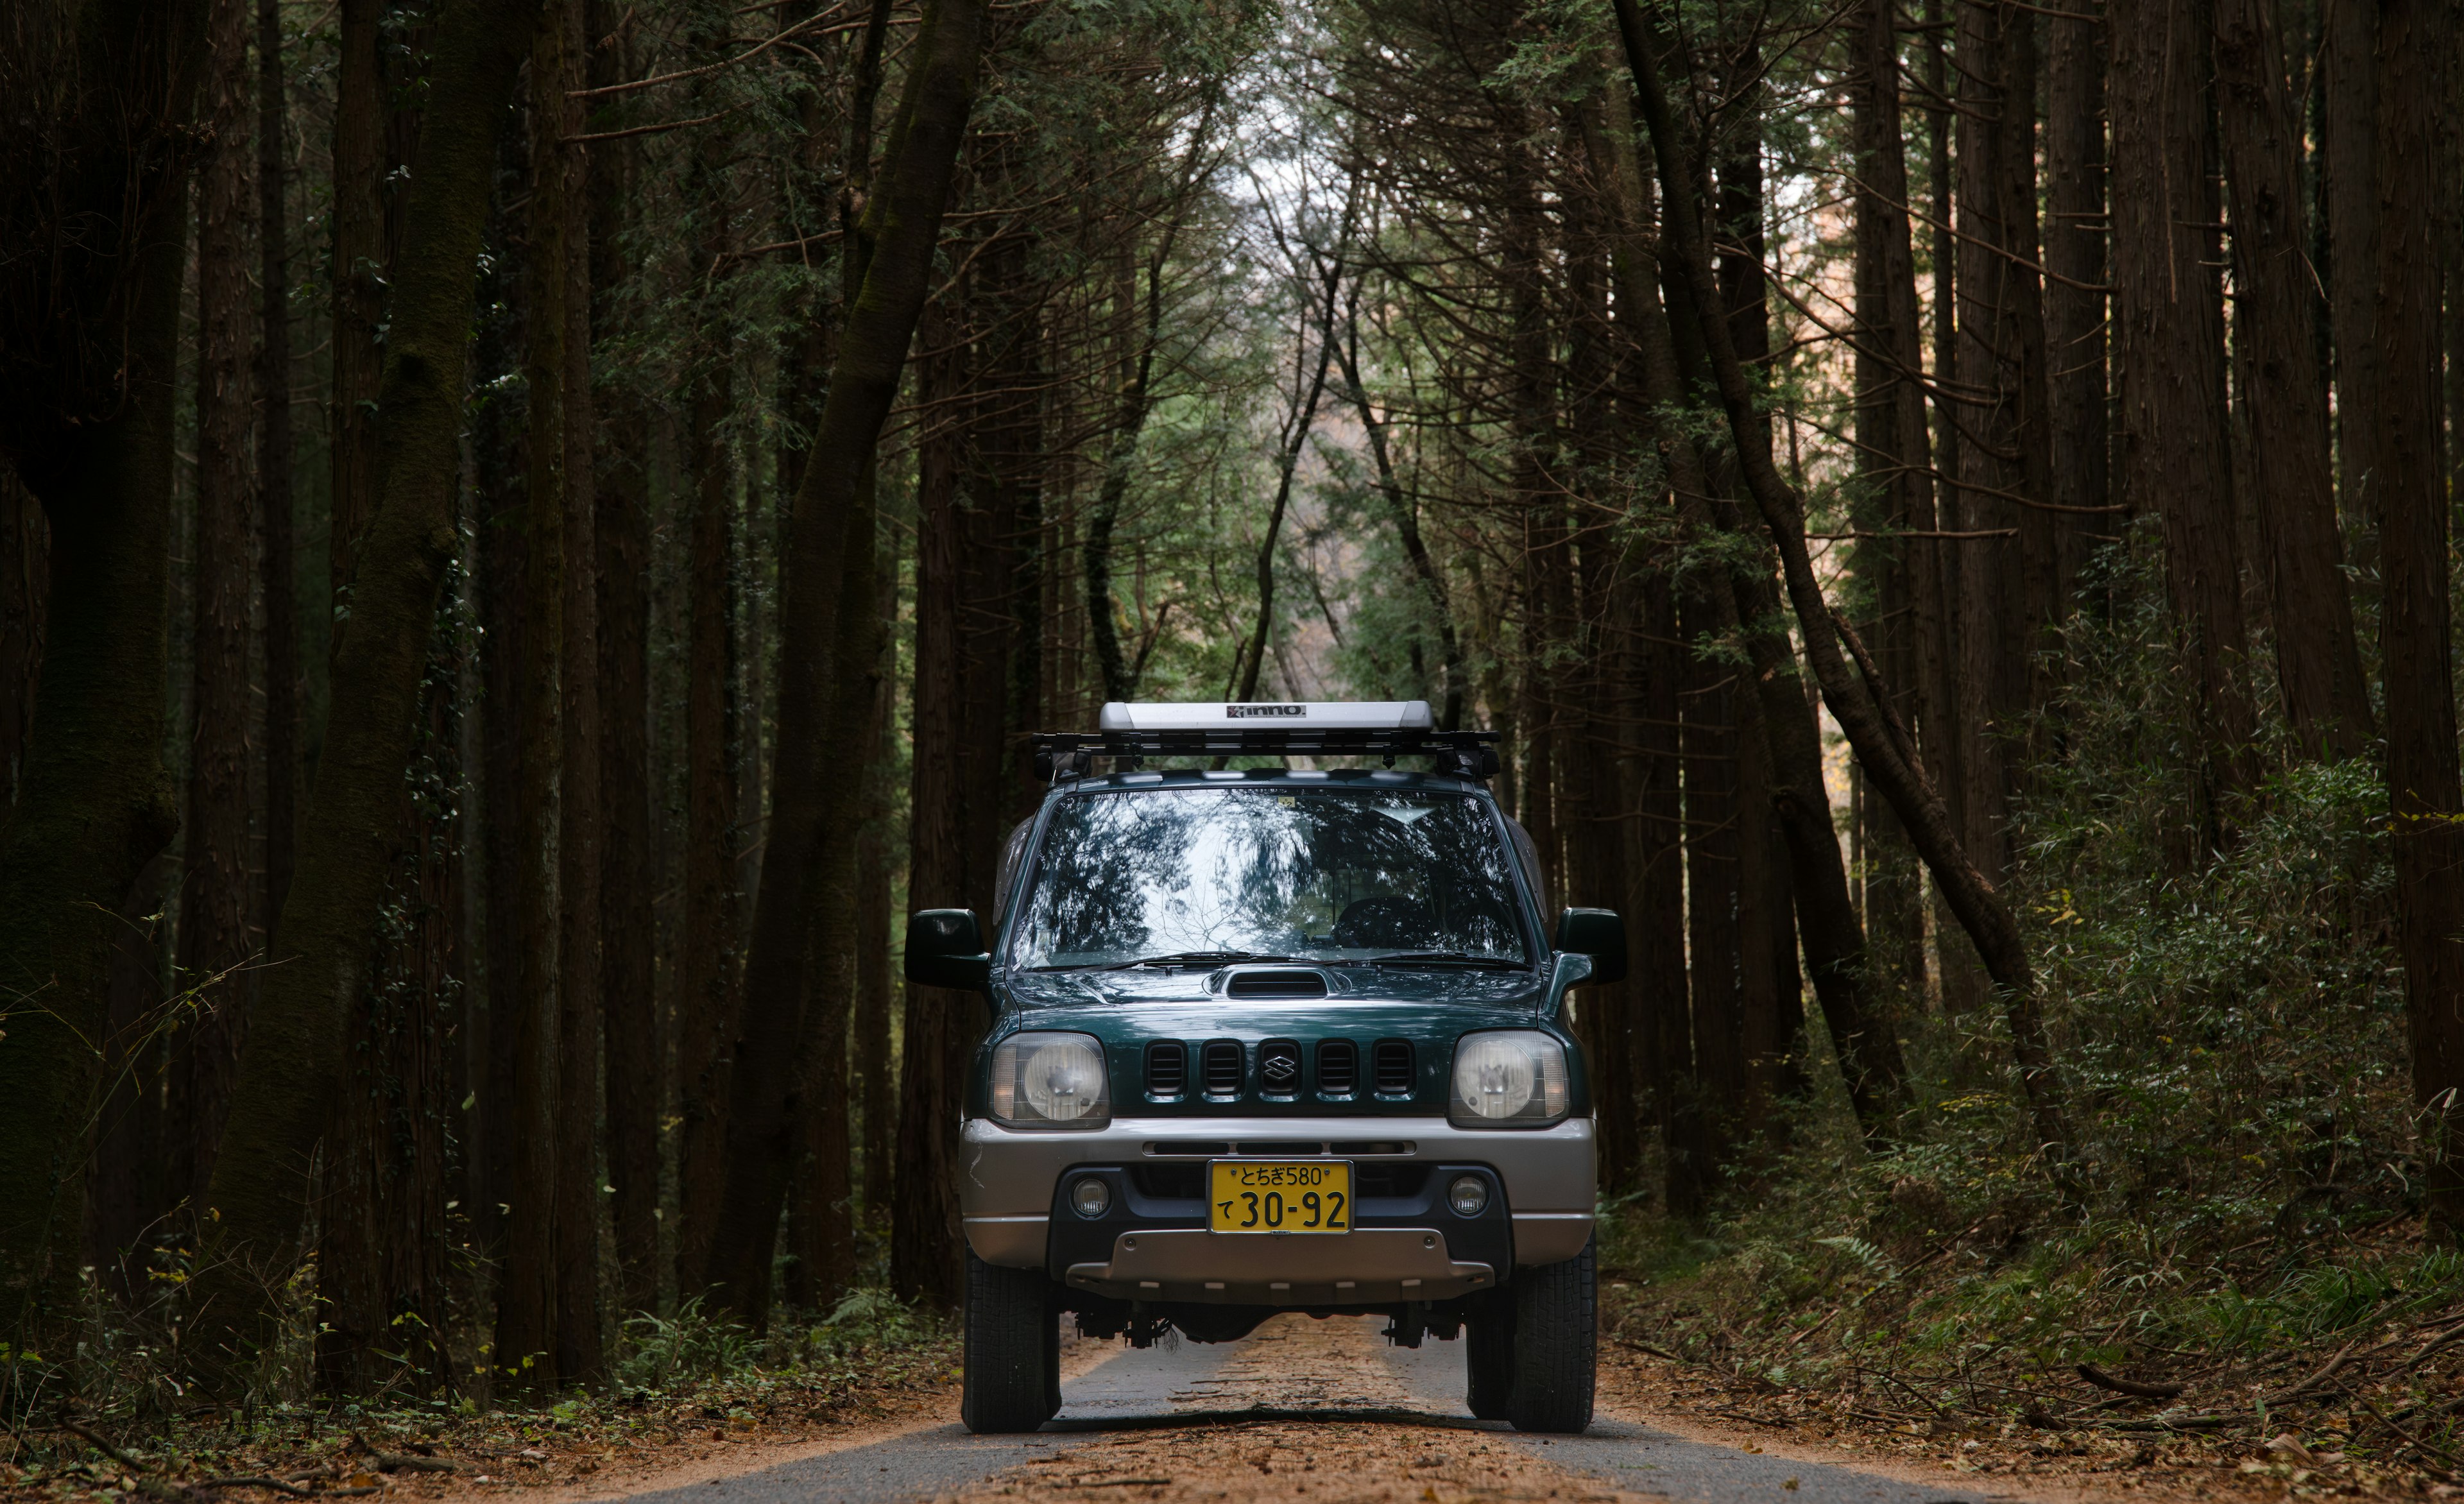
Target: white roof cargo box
[[1149, 715]]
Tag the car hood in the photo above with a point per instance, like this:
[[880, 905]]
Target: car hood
[[1130, 1011]]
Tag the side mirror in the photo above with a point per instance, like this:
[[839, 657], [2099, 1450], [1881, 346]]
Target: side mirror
[[945, 948], [1596, 933]]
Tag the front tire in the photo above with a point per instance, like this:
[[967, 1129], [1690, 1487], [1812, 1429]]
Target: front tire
[[1557, 1333], [1013, 1374]]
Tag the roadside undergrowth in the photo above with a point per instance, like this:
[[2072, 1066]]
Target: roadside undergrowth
[[681, 1387], [2243, 1281]]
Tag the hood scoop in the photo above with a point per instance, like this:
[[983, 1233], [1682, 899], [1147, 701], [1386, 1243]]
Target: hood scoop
[[1275, 985]]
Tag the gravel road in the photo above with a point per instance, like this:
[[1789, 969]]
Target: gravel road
[[1322, 1412]]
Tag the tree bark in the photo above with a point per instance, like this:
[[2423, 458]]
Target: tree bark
[[2285, 395], [579, 837], [2168, 364], [2349, 174], [1883, 752], [26, 547], [635, 1069], [2416, 78], [274, 461], [215, 932], [714, 904], [353, 831], [1894, 458], [810, 807], [89, 339], [2075, 304], [530, 1325], [358, 281], [1998, 388]]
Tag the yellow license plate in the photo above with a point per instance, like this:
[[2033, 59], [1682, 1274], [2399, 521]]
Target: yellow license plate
[[1279, 1195]]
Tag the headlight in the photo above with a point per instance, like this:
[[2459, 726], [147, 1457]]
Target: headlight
[[1043, 1080], [1509, 1078]]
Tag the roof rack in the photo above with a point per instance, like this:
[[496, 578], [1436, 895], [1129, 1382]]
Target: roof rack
[[1388, 729]]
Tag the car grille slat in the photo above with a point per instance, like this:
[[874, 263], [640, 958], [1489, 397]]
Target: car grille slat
[[1394, 1066], [1223, 1067], [1338, 1067], [1167, 1068]]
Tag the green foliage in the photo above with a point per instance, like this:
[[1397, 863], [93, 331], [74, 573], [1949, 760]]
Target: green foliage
[[693, 1344], [2228, 1016]]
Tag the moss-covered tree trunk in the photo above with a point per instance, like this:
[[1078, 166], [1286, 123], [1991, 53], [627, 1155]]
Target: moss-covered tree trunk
[[349, 837], [87, 336]]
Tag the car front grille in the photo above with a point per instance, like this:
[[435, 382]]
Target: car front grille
[[1338, 1067], [1167, 1068], [1221, 1069], [1222, 1065], [1393, 1064], [1279, 1069]]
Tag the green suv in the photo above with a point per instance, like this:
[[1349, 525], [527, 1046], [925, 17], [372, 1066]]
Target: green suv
[[1275, 1040]]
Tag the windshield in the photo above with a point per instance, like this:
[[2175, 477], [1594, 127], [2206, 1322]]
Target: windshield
[[1315, 875]]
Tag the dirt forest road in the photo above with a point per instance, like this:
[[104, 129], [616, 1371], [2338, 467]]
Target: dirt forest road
[[1324, 1411]]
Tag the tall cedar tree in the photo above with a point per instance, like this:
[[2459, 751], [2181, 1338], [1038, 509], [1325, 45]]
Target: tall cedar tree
[[2283, 392], [87, 342], [349, 837], [1881, 745], [2169, 359], [215, 909], [828, 553], [2415, 77]]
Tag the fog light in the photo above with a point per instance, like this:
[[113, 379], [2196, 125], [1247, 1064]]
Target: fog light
[[1091, 1198], [1468, 1195]]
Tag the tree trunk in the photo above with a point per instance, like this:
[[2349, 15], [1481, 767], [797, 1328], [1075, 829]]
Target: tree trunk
[[2168, 364], [938, 1025], [2349, 176], [505, 691], [529, 1314], [1883, 752], [25, 567], [714, 904], [1898, 498], [358, 280], [214, 937], [274, 461], [2318, 667], [352, 832], [635, 1062], [579, 838], [2075, 310], [877, 989], [87, 421], [1996, 299], [811, 808], [2416, 79]]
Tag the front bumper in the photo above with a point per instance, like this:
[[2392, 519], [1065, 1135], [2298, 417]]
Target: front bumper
[[1159, 1250]]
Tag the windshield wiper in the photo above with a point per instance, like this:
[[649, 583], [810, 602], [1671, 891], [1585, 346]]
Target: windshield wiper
[[1444, 958], [1195, 958]]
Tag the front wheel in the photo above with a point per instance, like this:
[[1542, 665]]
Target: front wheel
[[1556, 1331], [1013, 1376]]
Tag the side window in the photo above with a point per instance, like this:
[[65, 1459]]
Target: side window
[[1013, 855]]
